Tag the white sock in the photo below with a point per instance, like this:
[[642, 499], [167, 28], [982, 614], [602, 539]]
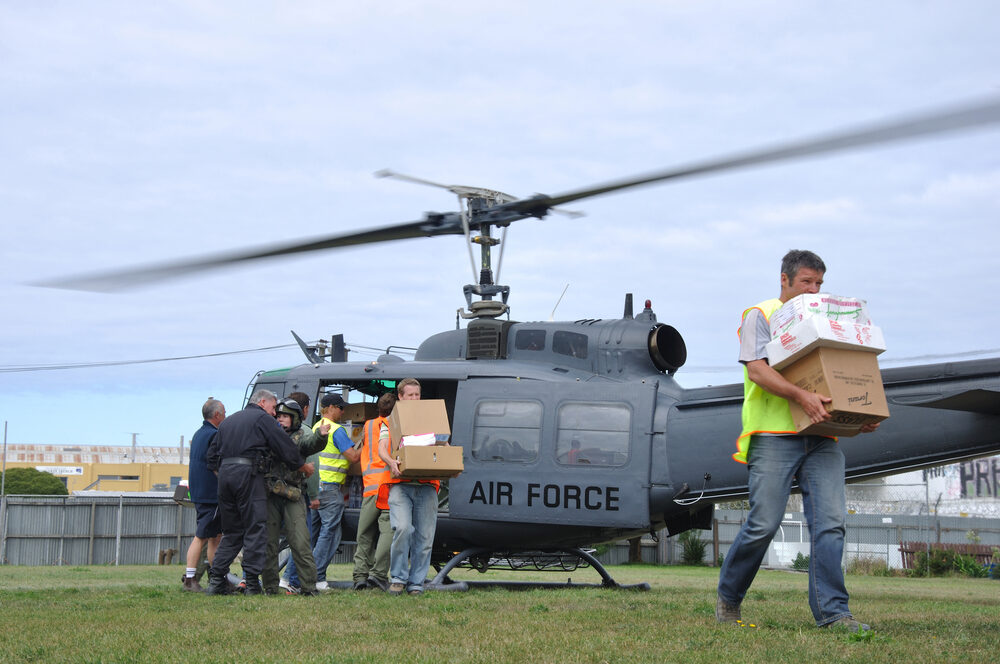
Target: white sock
[[190, 572]]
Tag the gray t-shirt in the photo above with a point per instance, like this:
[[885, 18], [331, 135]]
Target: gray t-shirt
[[755, 333]]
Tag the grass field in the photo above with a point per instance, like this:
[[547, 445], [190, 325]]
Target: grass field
[[140, 614]]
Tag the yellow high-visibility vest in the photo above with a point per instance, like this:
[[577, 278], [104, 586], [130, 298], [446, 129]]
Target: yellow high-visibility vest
[[763, 412], [332, 464]]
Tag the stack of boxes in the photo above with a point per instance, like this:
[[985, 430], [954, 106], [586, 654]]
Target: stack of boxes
[[420, 434], [827, 344]]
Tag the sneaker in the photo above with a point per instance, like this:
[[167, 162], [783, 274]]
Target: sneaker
[[415, 591], [726, 612], [360, 585], [322, 585], [190, 584], [396, 589], [284, 583], [295, 590], [849, 624], [380, 584]]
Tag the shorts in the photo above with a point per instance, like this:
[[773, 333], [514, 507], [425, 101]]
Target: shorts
[[209, 520]]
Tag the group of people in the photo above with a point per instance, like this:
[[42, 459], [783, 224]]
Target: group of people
[[398, 517], [263, 473]]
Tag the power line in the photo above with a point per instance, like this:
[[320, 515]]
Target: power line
[[28, 368], [19, 368]]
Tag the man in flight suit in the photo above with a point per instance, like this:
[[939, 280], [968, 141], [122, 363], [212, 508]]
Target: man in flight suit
[[235, 453]]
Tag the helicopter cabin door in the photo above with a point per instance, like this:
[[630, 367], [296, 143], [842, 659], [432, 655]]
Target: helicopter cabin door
[[555, 453]]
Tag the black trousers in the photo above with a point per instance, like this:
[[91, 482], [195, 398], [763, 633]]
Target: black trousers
[[243, 508]]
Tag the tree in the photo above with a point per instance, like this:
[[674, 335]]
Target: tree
[[28, 481]]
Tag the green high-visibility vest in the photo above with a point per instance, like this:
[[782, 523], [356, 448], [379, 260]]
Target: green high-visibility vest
[[332, 464], [763, 412]]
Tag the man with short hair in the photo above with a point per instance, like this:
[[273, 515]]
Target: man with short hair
[[334, 461], [412, 514], [776, 456], [371, 557], [237, 454], [203, 487]]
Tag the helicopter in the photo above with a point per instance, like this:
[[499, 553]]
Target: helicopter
[[576, 432]]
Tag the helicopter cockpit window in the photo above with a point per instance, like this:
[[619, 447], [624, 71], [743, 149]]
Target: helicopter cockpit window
[[507, 430], [529, 340], [595, 434], [570, 343]]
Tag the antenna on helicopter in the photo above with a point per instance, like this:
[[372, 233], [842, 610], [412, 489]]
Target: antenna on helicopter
[[552, 316]]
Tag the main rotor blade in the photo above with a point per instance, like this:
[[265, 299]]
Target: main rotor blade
[[125, 279], [940, 121]]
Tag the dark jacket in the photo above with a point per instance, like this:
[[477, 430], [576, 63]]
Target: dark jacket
[[202, 483], [249, 434], [309, 443]]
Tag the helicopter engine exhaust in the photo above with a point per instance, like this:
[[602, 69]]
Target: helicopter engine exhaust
[[667, 348]]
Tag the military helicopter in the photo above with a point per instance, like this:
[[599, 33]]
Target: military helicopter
[[576, 432]]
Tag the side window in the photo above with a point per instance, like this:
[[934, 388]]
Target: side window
[[529, 340], [507, 430], [277, 388], [570, 343], [595, 434]]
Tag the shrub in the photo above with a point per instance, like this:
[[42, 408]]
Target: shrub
[[801, 562], [942, 562], [868, 566], [692, 547], [28, 481]]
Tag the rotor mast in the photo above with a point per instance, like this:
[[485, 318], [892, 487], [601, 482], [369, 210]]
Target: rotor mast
[[486, 289]]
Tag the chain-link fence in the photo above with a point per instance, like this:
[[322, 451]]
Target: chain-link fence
[[68, 530]]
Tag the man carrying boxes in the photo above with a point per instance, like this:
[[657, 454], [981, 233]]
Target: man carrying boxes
[[413, 503], [776, 455]]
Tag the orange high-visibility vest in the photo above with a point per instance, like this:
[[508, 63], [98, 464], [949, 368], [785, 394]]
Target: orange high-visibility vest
[[373, 470], [382, 502]]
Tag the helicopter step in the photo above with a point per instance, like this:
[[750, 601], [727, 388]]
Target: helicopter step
[[560, 560]]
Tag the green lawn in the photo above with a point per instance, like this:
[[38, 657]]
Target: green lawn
[[139, 614]]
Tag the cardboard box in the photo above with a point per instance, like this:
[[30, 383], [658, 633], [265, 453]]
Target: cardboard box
[[851, 378], [845, 310], [438, 461], [419, 417], [359, 413], [816, 332], [430, 462]]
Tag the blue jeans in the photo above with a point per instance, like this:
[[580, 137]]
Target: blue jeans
[[818, 465], [331, 510], [291, 574], [413, 518]]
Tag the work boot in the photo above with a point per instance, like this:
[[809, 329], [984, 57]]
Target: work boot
[[396, 589], [191, 584], [380, 584], [253, 585], [360, 585], [218, 585], [849, 624], [726, 612]]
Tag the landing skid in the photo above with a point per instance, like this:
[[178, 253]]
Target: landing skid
[[481, 560]]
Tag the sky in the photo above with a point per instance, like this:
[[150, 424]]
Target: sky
[[132, 133]]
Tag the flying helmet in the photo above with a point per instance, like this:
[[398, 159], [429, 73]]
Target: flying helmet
[[291, 408]]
